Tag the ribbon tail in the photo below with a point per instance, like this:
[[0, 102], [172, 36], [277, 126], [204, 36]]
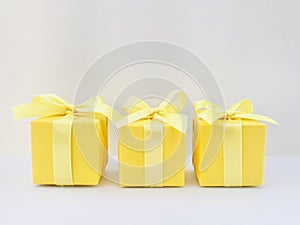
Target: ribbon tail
[[132, 117], [107, 111], [251, 116], [210, 116], [96, 105], [36, 110], [177, 121]]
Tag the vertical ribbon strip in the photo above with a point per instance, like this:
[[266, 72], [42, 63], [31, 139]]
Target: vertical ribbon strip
[[48, 105], [61, 150], [153, 146], [232, 153]]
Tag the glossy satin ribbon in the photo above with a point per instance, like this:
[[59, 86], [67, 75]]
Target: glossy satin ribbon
[[48, 105], [166, 113], [232, 140]]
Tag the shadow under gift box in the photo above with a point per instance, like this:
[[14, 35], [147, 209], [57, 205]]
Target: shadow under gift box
[[253, 151], [153, 167], [88, 134]]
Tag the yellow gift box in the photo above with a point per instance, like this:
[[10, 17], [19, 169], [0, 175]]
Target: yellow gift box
[[69, 143], [152, 143], [228, 146]]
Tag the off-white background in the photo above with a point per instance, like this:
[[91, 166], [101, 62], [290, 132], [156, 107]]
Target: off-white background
[[252, 48]]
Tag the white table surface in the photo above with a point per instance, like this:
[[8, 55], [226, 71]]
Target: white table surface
[[277, 202]]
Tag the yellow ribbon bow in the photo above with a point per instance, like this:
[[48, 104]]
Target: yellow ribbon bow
[[231, 136], [167, 112], [48, 105], [210, 112]]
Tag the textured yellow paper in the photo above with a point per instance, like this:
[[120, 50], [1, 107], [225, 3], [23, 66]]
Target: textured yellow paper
[[82, 172], [132, 157], [253, 152]]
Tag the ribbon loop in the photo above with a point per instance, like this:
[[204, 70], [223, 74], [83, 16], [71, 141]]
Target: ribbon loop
[[244, 106], [154, 111]]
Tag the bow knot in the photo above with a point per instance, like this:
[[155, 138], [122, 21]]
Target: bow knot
[[70, 108], [154, 111], [229, 114]]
